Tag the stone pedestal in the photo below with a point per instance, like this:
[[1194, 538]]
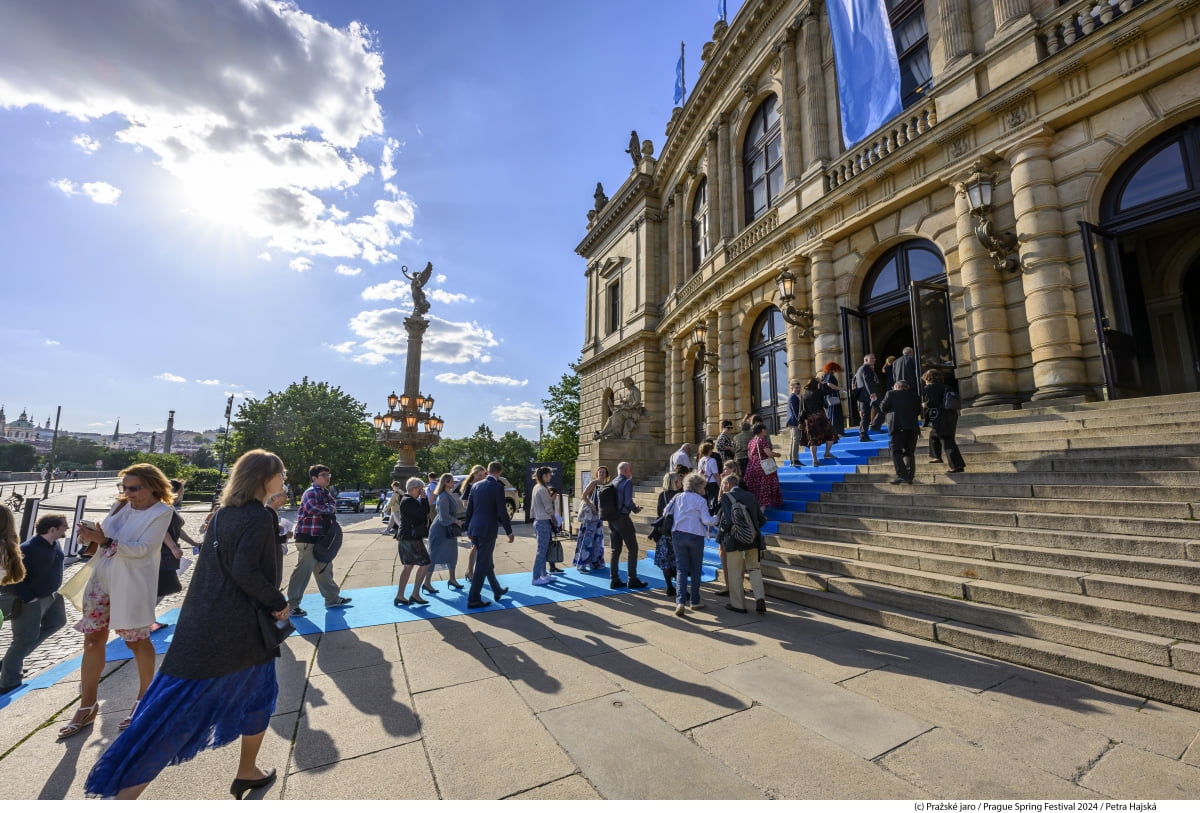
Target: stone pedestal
[[647, 457]]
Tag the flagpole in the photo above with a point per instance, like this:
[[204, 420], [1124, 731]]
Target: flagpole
[[682, 73]]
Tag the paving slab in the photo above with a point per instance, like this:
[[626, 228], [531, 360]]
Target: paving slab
[[356, 648], [358, 711], [548, 675], [1192, 755], [926, 658], [504, 629], [703, 649], [682, 696], [357, 581], [947, 766], [663, 764], [585, 634], [22, 719], [1126, 772], [399, 772], [862, 725], [483, 743], [446, 656], [571, 788], [1040, 742], [291, 671], [787, 761]]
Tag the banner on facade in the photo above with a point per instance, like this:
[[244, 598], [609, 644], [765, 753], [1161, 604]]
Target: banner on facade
[[868, 71]]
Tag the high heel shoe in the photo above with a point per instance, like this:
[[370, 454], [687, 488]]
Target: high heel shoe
[[430, 590], [455, 585], [72, 728], [240, 786], [416, 599], [399, 602]]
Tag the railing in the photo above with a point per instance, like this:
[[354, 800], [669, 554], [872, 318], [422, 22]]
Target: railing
[[1074, 21], [894, 135], [753, 233]]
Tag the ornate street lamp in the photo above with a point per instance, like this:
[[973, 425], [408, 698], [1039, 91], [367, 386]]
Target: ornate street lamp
[[1000, 245], [392, 399], [802, 319], [699, 334]]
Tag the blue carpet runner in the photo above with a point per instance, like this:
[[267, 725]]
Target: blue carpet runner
[[804, 484]]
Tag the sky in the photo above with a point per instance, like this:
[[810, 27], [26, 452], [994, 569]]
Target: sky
[[204, 199]]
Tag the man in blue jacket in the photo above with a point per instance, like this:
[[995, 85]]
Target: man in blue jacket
[[621, 530], [33, 607], [485, 510]]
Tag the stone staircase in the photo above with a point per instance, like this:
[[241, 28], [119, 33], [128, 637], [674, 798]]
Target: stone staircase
[[1070, 544]]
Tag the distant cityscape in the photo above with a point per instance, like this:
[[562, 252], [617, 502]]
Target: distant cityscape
[[183, 441]]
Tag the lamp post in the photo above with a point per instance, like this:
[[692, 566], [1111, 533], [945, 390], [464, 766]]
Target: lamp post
[[1000, 245], [699, 334], [803, 319]]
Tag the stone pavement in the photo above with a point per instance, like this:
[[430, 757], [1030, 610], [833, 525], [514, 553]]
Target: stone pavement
[[615, 698]]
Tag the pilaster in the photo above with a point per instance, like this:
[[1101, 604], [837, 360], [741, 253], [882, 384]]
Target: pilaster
[[817, 124], [827, 344], [792, 159], [729, 367]]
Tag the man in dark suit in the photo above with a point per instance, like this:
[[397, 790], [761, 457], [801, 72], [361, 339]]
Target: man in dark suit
[[866, 392], [795, 420], [902, 406], [486, 509], [905, 368]]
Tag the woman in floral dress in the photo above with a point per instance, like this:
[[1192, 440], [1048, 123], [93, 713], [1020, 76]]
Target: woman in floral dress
[[764, 487], [589, 545]]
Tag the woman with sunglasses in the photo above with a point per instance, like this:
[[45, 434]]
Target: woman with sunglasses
[[123, 588]]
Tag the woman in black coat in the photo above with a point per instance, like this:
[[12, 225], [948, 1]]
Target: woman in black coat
[[942, 422], [217, 681]]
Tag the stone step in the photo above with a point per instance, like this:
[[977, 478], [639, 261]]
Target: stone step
[[1157, 446], [1052, 479], [1138, 567], [1003, 489], [1013, 517], [1088, 507], [1183, 403], [1077, 464], [1148, 423]]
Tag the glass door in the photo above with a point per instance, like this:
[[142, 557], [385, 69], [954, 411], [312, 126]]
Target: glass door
[[933, 335], [1114, 329], [854, 344]]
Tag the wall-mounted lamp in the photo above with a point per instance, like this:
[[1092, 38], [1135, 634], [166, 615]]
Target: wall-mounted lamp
[[699, 333], [1000, 246], [803, 319]]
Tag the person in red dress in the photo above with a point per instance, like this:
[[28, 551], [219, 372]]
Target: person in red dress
[[764, 487]]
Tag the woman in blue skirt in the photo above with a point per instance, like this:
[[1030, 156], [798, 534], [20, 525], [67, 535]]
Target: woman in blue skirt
[[217, 680], [589, 544]]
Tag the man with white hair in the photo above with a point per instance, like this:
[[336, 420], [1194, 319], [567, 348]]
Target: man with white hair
[[681, 457], [620, 528]]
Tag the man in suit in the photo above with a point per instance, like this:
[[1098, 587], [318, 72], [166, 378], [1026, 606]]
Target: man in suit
[[866, 392], [905, 368], [742, 559], [621, 531], [902, 405], [485, 510], [795, 419]]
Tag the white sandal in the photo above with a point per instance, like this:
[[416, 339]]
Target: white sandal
[[129, 720], [72, 728]]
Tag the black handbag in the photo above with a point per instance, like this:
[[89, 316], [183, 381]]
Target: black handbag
[[554, 552], [272, 631], [454, 530]]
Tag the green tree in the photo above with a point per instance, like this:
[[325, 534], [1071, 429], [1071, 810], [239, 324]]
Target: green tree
[[561, 442], [204, 458], [515, 452], [309, 422], [73, 453], [18, 457], [172, 465]]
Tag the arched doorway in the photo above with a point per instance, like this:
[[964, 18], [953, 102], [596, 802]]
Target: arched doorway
[[904, 302], [699, 395], [1144, 268], [768, 369]]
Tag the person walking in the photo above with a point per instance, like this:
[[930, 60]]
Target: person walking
[[942, 422], [691, 517], [664, 549], [589, 543], [903, 410], [905, 369], [681, 459], [795, 422], [543, 523], [743, 557], [817, 428], [741, 445], [866, 391], [12, 567], [709, 466], [724, 443], [121, 592], [217, 682], [318, 509], [486, 510], [410, 541], [444, 532], [476, 474], [32, 605], [621, 530], [764, 486], [833, 397]]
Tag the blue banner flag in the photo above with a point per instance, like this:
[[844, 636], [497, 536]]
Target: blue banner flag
[[680, 90], [721, 10], [868, 71]]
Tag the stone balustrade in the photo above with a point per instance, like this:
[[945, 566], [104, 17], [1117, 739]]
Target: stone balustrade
[[1076, 20], [891, 137]]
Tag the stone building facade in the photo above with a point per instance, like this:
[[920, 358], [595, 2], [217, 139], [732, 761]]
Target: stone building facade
[[1081, 277]]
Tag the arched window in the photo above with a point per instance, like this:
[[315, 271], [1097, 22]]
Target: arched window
[[762, 157], [768, 369], [887, 282], [1163, 177], [700, 226], [911, 34]]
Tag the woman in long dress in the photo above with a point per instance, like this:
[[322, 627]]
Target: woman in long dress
[[817, 428], [833, 412], [664, 550], [217, 681], [443, 548], [123, 587], [589, 544], [764, 487]]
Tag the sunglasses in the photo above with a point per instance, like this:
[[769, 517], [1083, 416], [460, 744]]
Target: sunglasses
[[124, 489]]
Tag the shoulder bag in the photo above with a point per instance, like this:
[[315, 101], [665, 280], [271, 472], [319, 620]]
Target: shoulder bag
[[272, 631]]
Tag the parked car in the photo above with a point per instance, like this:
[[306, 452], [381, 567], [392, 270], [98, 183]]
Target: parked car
[[511, 497], [350, 501]]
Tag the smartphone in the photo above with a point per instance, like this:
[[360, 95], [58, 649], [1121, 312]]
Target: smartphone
[[89, 524]]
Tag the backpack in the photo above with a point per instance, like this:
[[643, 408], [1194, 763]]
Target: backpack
[[327, 547], [606, 499], [951, 401], [744, 529]]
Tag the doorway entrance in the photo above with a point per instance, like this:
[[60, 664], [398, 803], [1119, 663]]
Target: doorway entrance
[[1143, 263]]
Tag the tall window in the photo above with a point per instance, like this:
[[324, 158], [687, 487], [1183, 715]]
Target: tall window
[[912, 47], [762, 156], [887, 282], [768, 369], [700, 226], [614, 306]]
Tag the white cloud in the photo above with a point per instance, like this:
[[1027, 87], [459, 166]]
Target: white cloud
[[388, 291], [347, 271], [100, 424], [263, 108], [439, 278], [53, 342], [209, 382], [344, 347], [475, 377], [98, 191], [174, 379], [387, 169], [438, 295], [300, 264], [384, 337], [524, 415], [266, 255], [86, 143]]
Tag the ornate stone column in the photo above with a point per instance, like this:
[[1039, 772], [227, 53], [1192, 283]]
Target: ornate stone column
[[713, 163], [817, 124], [1008, 11], [827, 344], [730, 368], [1058, 368], [987, 317], [725, 204], [792, 163], [683, 246], [957, 32], [677, 422], [672, 243]]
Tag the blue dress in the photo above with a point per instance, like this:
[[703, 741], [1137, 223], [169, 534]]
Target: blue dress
[[589, 544]]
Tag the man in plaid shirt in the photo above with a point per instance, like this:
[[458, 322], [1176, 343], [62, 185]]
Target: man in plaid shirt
[[317, 506]]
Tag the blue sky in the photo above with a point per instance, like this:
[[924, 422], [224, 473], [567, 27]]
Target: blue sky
[[218, 197]]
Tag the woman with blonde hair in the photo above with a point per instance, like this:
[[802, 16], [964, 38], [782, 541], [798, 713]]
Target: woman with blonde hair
[[123, 587], [443, 540], [692, 519], [217, 681], [12, 567], [589, 543], [664, 551]]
